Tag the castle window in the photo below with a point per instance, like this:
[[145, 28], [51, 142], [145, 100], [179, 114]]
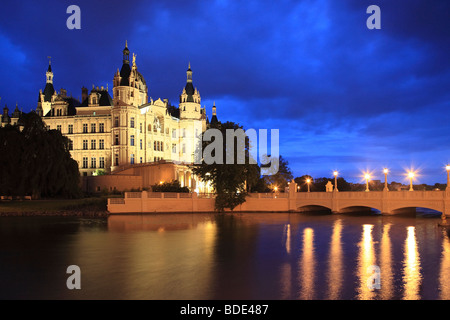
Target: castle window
[[140, 160], [101, 144], [70, 144], [101, 162], [85, 144], [154, 145], [93, 162], [116, 160], [116, 139], [85, 128], [174, 148], [132, 140], [93, 128], [116, 121], [132, 159], [70, 129], [58, 127], [93, 144], [140, 143], [184, 148], [140, 127], [101, 127], [132, 122], [174, 133], [85, 162]]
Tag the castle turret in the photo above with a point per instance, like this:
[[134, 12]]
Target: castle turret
[[190, 101]]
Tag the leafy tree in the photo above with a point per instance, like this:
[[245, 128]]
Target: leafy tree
[[281, 178], [36, 161], [302, 185], [230, 181]]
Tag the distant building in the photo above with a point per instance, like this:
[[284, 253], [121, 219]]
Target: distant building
[[112, 133]]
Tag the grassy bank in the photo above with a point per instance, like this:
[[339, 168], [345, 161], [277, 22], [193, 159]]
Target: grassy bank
[[65, 207]]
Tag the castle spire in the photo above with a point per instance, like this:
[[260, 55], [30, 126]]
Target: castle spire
[[189, 73], [49, 73], [126, 54]]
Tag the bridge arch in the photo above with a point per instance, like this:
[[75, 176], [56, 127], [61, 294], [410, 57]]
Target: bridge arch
[[413, 210], [313, 208], [360, 209]]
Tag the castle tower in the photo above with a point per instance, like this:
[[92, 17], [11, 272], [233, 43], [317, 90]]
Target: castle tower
[[129, 93], [214, 119], [46, 97], [190, 101], [130, 86]]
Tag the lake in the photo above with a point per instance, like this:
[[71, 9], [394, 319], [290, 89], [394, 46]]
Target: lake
[[226, 256]]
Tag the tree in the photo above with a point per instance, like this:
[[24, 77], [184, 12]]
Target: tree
[[302, 184], [36, 161], [230, 181], [281, 178]]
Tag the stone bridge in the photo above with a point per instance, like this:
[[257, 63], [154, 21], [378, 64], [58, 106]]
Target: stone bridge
[[387, 202]]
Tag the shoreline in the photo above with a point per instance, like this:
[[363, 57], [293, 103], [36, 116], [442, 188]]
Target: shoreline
[[62, 213]]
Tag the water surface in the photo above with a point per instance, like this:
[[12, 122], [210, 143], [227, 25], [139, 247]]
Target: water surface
[[232, 256]]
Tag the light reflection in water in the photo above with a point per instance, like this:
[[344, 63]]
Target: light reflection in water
[[307, 266], [366, 259], [411, 267], [288, 238], [387, 288], [444, 277], [335, 271]]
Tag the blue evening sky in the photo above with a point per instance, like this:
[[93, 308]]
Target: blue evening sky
[[343, 97]]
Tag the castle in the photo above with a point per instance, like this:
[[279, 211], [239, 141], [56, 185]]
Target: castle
[[128, 130]]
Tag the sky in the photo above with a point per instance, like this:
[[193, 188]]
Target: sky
[[343, 97]]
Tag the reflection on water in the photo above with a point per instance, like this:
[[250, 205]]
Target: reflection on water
[[335, 262], [231, 256], [411, 267], [444, 276], [307, 266], [366, 259], [386, 264]]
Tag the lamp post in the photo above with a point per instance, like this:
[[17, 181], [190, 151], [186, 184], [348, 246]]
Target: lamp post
[[367, 177], [335, 181], [385, 171], [411, 176], [308, 181], [448, 176]]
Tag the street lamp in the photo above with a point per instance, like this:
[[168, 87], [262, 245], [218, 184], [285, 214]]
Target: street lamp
[[448, 176], [308, 181], [275, 189], [335, 181], [385, 171], [367, 177], [411, 176]]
